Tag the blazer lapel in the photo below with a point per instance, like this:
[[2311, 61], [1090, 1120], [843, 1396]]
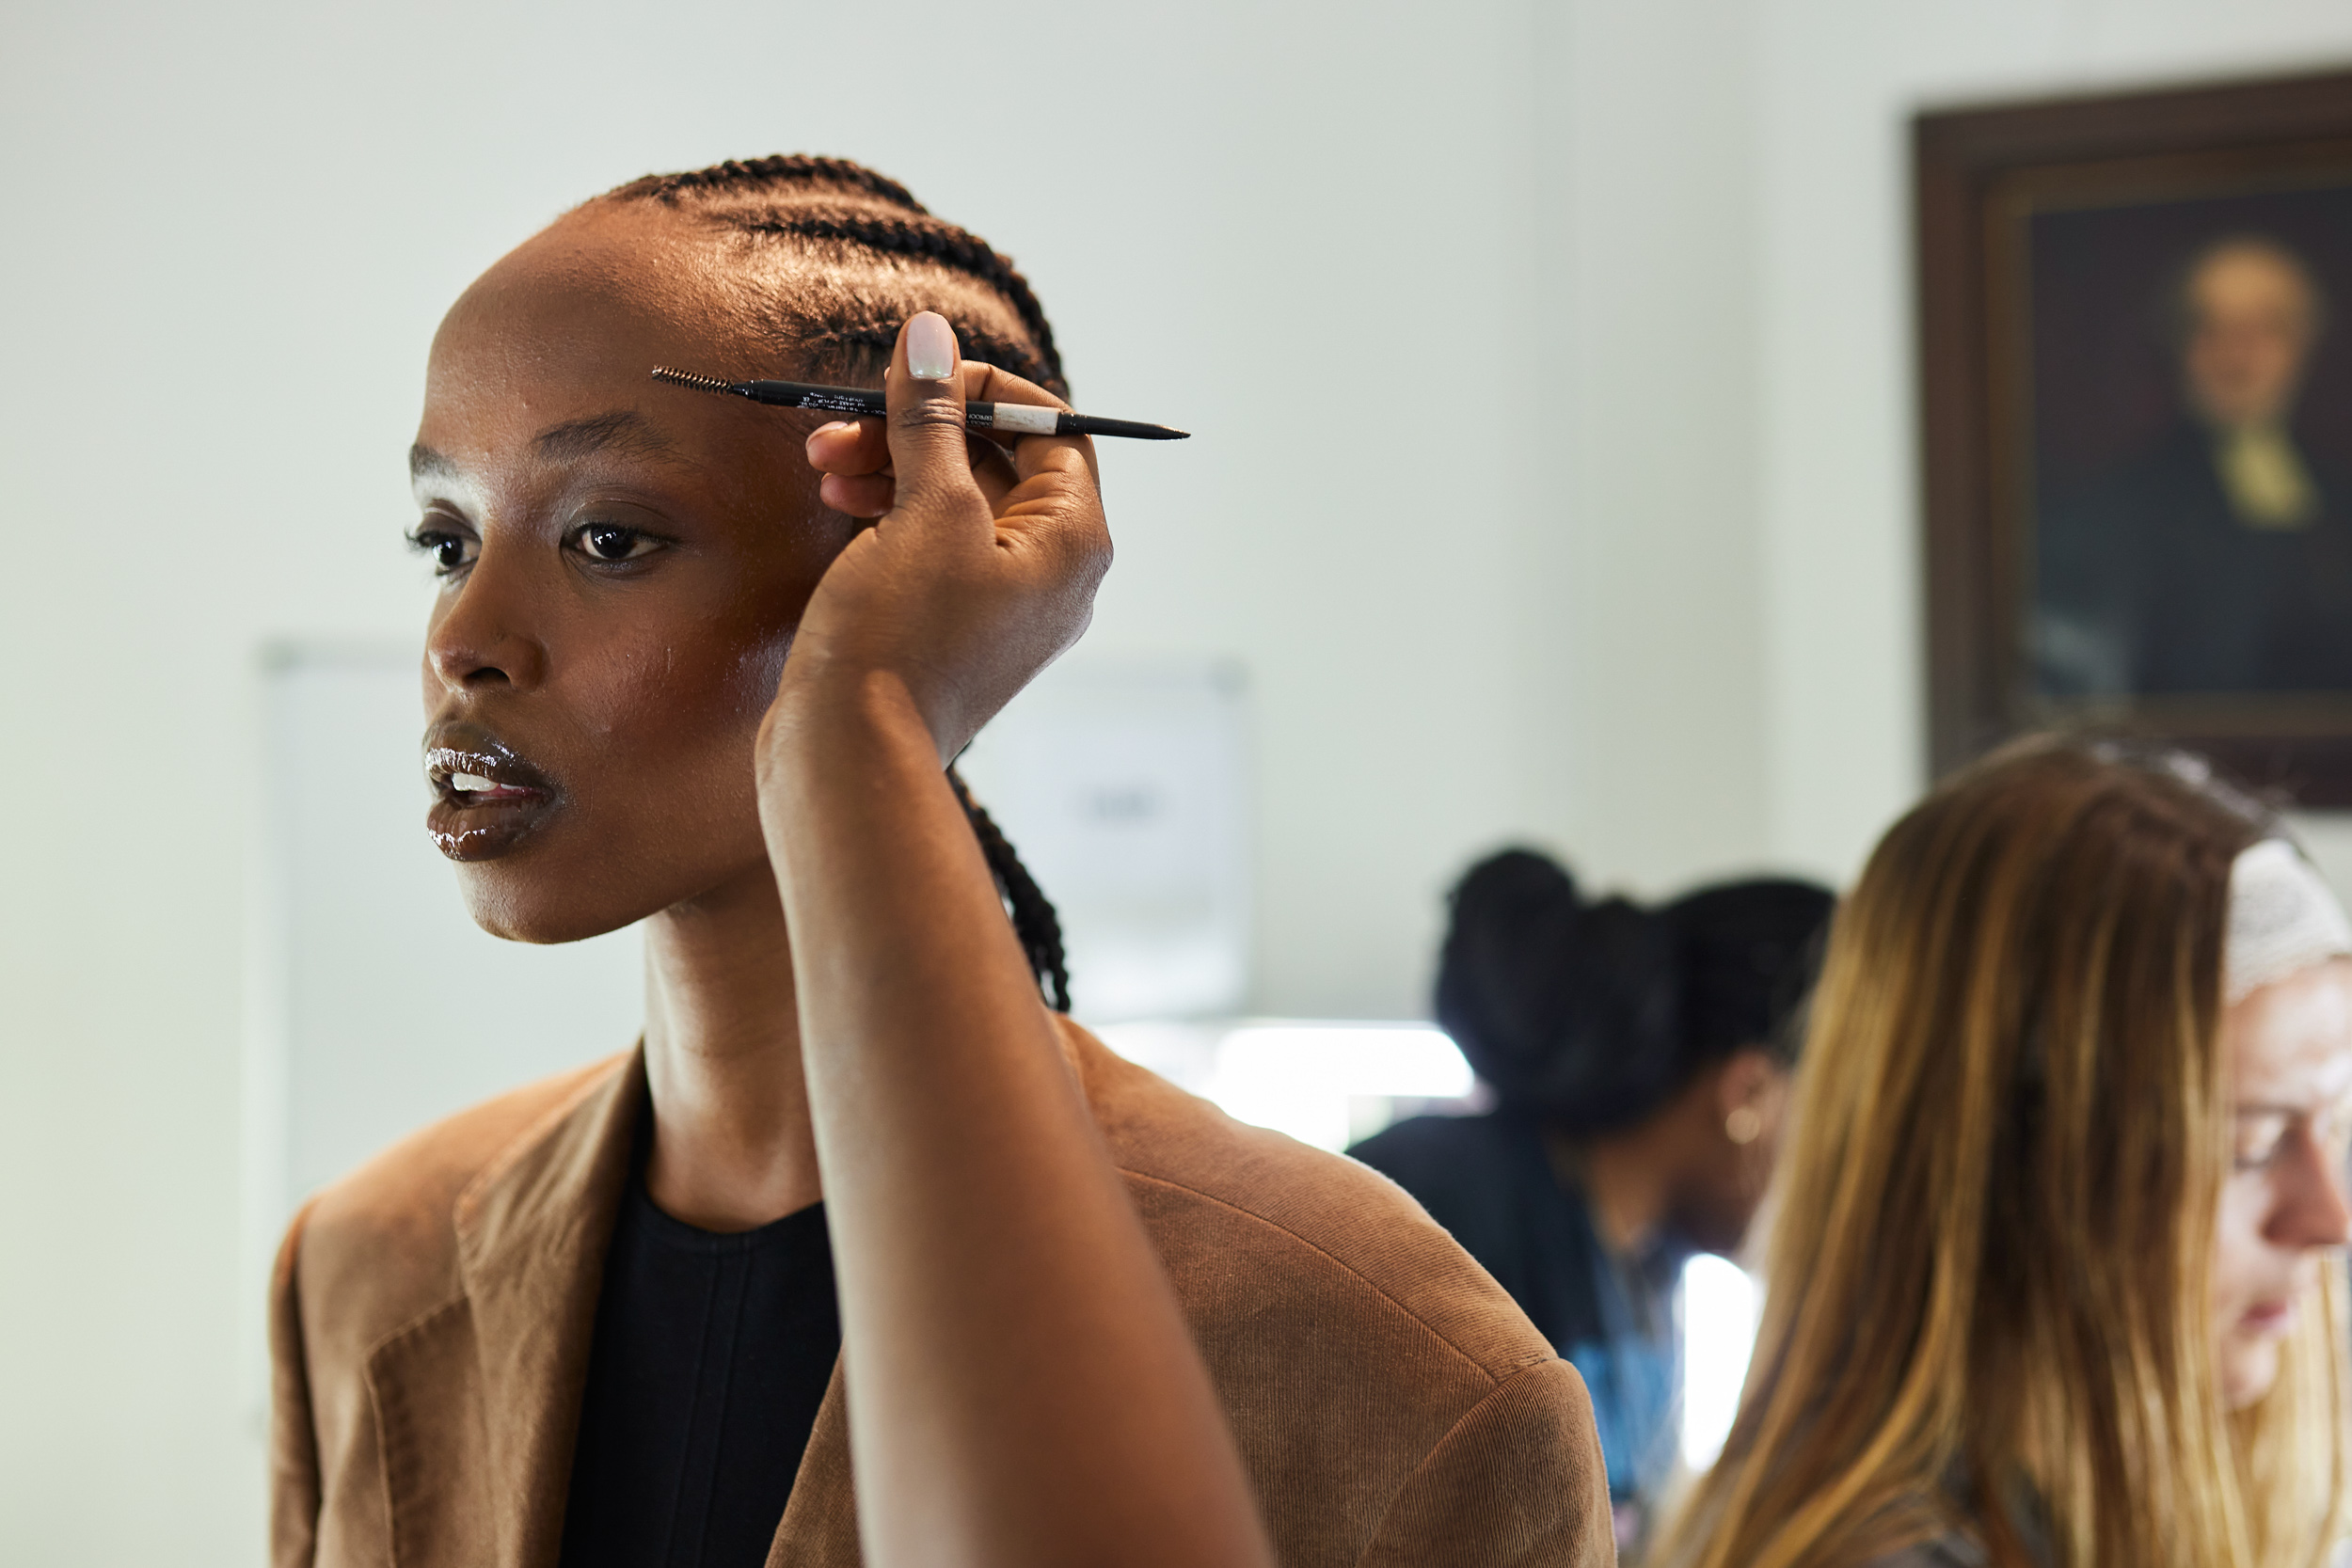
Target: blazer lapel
[[819, 1525], [532, 1235]]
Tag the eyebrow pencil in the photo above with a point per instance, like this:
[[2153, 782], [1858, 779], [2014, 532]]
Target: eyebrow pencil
[[1021, 418]]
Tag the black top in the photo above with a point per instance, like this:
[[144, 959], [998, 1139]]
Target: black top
[[712, 1356]]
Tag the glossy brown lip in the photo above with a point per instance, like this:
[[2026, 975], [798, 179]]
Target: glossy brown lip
[[481, 826]]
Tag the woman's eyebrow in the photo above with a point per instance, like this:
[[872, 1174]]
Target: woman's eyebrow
[[624, 431], [425, 463]]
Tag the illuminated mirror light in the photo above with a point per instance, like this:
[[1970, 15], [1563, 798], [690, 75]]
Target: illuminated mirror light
[[1325, 1084], [1718, 1313]]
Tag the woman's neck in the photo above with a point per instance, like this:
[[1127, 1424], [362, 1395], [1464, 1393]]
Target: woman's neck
[[732, 1144], [1627, 1186]]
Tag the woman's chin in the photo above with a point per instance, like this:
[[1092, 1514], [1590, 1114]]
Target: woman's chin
[[2249, 1365], [527, 909], [579, 880]]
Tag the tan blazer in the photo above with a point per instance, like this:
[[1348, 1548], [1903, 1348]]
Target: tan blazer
[[432, 1314]]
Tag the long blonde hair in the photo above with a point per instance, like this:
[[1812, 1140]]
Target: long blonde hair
[[1988, 1278]]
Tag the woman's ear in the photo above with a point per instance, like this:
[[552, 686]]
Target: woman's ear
[[1746, 1086]]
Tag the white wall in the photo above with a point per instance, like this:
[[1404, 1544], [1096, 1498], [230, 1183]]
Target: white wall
[[1643, 615]]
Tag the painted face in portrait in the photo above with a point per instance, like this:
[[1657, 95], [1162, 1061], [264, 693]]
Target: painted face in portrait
[[2251, 312]]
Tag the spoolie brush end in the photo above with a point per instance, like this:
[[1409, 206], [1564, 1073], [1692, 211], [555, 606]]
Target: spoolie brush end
[[701, 382]]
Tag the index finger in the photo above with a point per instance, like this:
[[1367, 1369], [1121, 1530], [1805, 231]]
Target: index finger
[[1031, 454], [849, 447]]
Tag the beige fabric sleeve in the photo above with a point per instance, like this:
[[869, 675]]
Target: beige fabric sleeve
[[1517, 1484]]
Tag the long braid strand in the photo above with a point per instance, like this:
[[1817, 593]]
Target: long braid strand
[[1034, 920]]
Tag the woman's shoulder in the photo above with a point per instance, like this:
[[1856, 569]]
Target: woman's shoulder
[[382, 1241], [1231, 1202], [1479, 1176], [1479, 1145], [1384, 1389]]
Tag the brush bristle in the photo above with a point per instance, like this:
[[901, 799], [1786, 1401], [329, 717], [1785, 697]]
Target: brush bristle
[[687, 379]]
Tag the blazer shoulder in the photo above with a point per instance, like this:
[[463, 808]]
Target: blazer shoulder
[[1520, 1476], [1316, 1221], [1390, 1399], [382, 1241]]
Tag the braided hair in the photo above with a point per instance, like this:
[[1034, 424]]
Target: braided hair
[[870, 242], [835, 208], [1033, 918]]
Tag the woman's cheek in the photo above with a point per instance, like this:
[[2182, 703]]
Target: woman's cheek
[[758, 670], [2237, 1240]]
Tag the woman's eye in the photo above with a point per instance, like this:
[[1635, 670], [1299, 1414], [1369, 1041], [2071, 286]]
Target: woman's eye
[[2335, 1135], [2259, 1134], [612, 542], [448, 550]]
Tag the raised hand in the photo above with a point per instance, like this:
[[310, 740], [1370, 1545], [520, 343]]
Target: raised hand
[[981, 564], [1023, 1387]]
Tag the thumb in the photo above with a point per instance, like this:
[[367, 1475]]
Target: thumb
[[925, 388]]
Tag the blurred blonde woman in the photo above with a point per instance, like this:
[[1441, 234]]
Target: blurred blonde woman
[[2055, 1279]]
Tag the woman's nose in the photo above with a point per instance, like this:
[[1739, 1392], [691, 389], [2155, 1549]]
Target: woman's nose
[[481, 634], [2313, 1208]]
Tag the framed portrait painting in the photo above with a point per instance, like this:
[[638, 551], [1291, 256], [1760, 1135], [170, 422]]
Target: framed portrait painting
[[2136, 356]]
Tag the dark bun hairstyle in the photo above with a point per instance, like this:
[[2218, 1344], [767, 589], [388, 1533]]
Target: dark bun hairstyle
[[1593, 1014], [1750, 952]]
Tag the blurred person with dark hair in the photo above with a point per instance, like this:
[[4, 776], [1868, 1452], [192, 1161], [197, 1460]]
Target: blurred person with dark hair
[[1641, 1057]]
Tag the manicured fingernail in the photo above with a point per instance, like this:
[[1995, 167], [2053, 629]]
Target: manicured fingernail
[[828, 428], [931, 347]]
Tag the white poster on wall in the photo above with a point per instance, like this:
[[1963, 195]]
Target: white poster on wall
[[1123, 786]]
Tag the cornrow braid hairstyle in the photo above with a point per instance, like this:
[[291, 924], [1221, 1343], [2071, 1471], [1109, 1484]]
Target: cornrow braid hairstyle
[[833, 208], [778, 169], [1034, 920], [786, 197], [920, 236]]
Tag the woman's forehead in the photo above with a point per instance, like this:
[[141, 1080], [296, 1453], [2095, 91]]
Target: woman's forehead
[[2291, 1042], [568, 302], [711, 294], [566, 331]]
